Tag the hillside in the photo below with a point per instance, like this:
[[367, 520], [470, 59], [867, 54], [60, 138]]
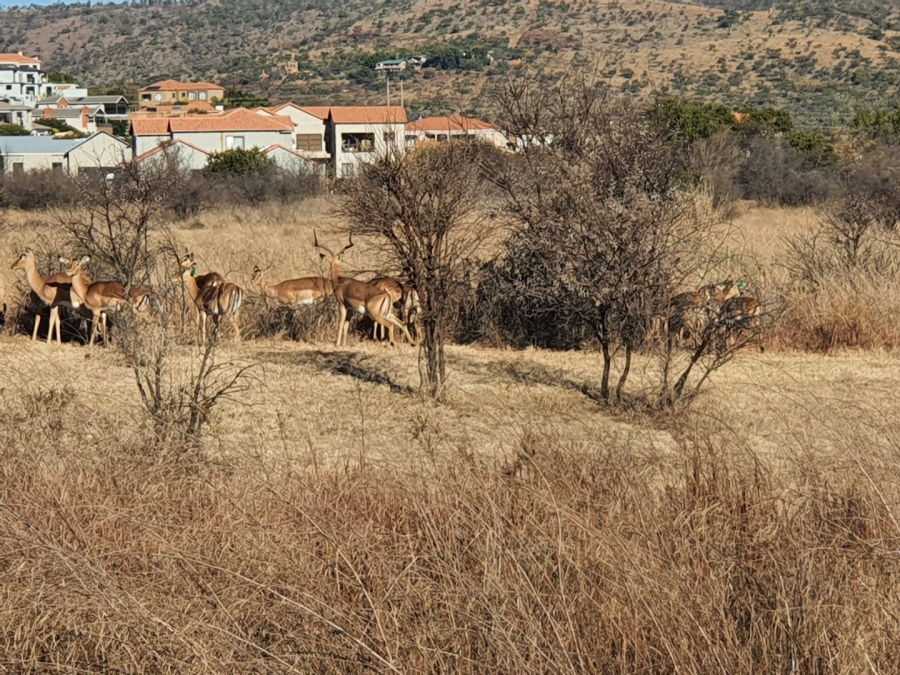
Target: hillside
[[821, 59]]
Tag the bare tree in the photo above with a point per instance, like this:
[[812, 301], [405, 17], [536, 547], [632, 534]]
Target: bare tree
[[608, 220], [425, 206], [114, 223]]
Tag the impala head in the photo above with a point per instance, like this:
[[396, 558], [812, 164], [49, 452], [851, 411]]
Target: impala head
[[328, 254], [727, 289], [22, 260], [257, 277], [73, 267], [187, 261]]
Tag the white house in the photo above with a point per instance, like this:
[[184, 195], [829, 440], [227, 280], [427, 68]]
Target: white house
[[113, 107], [455, 127], [16, 113], [100, 152], [309, 126], [391, 65], [238, 128], [22, 80], [84, 119], [358, 134], [179, 153], [293, 161]]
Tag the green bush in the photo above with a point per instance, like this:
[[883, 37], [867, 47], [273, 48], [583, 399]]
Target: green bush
[[13, 130], [238, 162]]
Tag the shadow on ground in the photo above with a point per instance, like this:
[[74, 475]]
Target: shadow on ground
[[363, 367]]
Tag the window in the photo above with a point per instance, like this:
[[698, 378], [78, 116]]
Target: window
[[357, 142], [57, 166], [18, 168], [309, 142], [192, 96], [389, 137], [158, 97], [9, 87], [29, 90], [202, 95], [233, 142]]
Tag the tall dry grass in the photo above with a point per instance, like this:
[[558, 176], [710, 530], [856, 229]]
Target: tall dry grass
[[118, 558]]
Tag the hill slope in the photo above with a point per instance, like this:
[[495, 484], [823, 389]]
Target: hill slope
[[821, 59]]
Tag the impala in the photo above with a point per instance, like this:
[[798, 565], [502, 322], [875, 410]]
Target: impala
[[401, 291], [358, 297], [55, 290], [294, 292], [101, 296], [690, 311], [742, 313], [203, 281], [213, 296]]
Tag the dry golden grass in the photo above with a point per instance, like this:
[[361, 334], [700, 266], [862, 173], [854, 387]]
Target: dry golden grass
[[333, 521]]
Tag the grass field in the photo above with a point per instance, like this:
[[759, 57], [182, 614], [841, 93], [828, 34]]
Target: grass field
[[336, 522]]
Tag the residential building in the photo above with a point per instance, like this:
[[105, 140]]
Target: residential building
[[169, 92], [16, 113], [391, 65], [177, 110], [358, 134], [85, 119], [309, 127], [238, 128], [22, 81], [181, 153], [455, 127], [294, 161], [114, 107], [101, 152]]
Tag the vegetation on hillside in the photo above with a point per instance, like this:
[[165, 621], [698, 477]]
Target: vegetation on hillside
[[819, 59]]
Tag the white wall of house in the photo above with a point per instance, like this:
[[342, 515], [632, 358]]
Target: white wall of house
[[14, 163], [144, 144], [355, 144], [100, 150], [305, 126], [185, 156], [290, 161], [492, 136], [23, 117], [217, 141]]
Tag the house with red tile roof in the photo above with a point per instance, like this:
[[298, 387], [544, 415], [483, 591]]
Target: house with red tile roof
[[309, 127], [358, 134], [238, 128], [179, 153], [454, 127], [170, 92]]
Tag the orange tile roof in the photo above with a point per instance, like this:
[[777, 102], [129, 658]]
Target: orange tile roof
[[163, 146], [379, 114], [239, 119], [18, 58], [199, 105], [320, 111], [175, 85], [451, 123], [154, 126]]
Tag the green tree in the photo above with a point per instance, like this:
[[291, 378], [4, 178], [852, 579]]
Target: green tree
[[13, 130], [238, 162], [693, 120]]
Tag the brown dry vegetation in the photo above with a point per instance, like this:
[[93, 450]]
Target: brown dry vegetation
[[336, 522]]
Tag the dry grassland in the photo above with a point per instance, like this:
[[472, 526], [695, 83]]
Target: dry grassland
[[335, 522]]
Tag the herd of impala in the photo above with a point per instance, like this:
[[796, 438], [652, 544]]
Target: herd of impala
[[214, 297]]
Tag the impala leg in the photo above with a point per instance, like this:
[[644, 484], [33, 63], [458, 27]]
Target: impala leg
[[54, 316], [37, 324], [95, 319], [342, 319], [237, 327]]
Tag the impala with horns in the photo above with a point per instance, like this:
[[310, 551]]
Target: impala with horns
[[55, 290], [293, 292], [358, 297], [101, 296], [203, 281], [212, 296], [742, 313]]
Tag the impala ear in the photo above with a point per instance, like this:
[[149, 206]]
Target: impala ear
[[85, 260], [64, 260]]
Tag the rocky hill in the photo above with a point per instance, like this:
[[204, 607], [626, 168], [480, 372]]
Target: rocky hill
[[820, 59]]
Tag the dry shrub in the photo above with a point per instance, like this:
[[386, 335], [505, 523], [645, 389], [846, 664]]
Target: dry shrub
[[265, 317], [554, 561]]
